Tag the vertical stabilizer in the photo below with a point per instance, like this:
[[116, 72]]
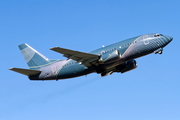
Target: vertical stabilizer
[[33, 58]]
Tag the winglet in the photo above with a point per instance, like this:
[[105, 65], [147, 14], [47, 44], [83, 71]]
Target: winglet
[[27, 72]]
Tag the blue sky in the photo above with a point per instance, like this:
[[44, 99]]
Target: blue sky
[[150, 92]]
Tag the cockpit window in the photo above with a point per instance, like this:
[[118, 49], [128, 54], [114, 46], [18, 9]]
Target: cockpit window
[[157, 35]]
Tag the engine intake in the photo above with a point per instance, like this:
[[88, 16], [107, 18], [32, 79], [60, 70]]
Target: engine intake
[[130, 65]]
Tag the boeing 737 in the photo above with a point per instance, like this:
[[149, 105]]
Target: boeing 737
[[119, 57]]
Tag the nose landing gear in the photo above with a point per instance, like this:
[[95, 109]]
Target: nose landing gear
[[158, 51]]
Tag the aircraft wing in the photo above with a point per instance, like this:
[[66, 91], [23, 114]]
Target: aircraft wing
[[86, 59]]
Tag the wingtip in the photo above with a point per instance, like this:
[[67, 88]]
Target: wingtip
[[53, 48], [11, 68]]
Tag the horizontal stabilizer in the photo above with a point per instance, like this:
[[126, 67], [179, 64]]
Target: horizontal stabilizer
[[27, 72]]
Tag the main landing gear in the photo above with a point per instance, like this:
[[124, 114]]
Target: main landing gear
[[158, 51]]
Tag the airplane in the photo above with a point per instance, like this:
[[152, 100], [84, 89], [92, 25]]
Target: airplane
[[118, 57]]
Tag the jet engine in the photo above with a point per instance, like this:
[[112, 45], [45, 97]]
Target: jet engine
[[109, 56], [130, 65]]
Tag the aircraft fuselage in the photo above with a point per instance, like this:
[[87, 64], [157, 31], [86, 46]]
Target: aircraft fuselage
[[113, 58]]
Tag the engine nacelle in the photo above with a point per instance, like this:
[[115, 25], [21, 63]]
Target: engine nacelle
[[130, 65], [110, 56]]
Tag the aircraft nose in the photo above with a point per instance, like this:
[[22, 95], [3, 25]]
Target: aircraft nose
[[170, 38]]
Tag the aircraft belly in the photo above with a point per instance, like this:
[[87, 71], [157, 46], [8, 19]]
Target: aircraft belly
[[73, 71]]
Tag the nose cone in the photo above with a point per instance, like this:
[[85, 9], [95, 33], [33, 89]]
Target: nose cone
[[170, 38]]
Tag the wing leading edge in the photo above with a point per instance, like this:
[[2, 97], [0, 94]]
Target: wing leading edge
[[86, 59]]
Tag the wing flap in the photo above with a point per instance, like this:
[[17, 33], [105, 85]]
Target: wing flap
[[27, 72], [84, 58]]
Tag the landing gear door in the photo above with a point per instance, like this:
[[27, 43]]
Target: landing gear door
[[145, 39]]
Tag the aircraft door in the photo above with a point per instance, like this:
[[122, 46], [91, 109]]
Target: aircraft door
[[145, 39]]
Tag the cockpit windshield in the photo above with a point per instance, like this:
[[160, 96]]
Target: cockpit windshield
[[157, 35]]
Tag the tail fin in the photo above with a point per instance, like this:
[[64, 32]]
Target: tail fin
[[33, 58]]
